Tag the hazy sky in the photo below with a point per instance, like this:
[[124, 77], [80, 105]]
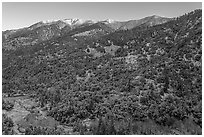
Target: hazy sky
[[17, 15]]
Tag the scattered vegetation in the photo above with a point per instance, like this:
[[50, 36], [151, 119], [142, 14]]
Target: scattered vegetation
[[7, 105], [152, 84], [7, 125], [33, 130]]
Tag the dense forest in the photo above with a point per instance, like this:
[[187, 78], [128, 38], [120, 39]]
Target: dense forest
[[145, 80]]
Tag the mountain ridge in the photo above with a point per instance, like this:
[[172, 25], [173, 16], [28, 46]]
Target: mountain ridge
[[45, 30], [81, 20], [150, 75]]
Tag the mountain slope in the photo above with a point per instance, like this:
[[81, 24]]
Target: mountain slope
[[46, 30], [148, 73], [149, 21]]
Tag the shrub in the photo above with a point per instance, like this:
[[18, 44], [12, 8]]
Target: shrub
[[7, 105], [34, 130], [7, 125]]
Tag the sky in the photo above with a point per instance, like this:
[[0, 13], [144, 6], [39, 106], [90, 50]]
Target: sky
[[23, 14]]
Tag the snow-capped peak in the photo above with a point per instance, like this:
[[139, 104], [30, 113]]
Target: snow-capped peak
[[48, 21], [109, 21], [76, 21], [71, 21]]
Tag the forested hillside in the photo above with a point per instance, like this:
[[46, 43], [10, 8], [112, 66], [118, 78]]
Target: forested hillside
[[145, 80]]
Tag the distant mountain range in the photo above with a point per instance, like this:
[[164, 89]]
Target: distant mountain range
[[45, 30]]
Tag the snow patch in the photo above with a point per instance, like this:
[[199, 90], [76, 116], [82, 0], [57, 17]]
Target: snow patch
[[48, 21], [108, 21]]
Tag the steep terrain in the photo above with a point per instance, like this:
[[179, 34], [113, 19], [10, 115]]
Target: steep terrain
[[46, 30], [143, 79]]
